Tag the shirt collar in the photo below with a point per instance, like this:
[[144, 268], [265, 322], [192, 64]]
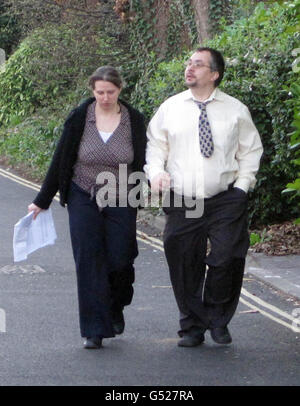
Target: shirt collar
[[216, 95]]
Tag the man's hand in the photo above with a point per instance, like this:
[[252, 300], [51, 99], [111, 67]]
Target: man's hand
[[160, 182], [36, 210]]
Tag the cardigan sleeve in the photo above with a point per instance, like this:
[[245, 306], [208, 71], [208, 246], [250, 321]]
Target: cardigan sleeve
[[50, 185]]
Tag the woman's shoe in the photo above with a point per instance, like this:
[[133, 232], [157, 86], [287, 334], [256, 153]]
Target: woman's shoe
[[92, 343], [118, 322]]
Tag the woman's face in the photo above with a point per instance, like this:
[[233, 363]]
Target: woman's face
[[106, 94]]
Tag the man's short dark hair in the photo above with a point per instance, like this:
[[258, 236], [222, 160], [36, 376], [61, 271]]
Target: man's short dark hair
[[217, 63]]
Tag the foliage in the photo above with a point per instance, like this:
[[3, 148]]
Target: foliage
[[33, 14], [42, 81], [86, 18], [162, 81], [294, 187], [242, 8], [259, 51], [147, 47], [47, 75], [259, 57], [254, 239], [31, 141], [220, 10], [259, 237], [17, 94], [48, 63], [9, 30], [142, 24]]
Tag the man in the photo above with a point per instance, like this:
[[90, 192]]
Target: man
[[203, 145]]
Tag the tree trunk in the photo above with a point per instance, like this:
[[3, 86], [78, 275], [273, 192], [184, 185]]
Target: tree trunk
[[201, 8], [162, 16]]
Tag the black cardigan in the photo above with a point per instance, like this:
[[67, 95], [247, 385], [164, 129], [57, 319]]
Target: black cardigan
[[60, 172]]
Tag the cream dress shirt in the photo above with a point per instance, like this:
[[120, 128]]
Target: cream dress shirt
[[173, 145]]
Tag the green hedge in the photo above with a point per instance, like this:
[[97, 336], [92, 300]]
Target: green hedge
[[42, 81], [258, 52], [31, 143], [9, 30], [293, 187], [51, 63]]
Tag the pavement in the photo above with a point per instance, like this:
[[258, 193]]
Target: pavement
[[280, 272]]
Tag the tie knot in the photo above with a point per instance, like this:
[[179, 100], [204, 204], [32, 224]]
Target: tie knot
[[202, 105]]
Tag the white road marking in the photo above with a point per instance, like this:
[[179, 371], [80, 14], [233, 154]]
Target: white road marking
[[150, 243], [267, 305], [21, 181], [148, 237], [21, 269], [270, 316], [10, 175]]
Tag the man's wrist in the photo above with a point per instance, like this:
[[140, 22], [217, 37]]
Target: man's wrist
[[242, 184]]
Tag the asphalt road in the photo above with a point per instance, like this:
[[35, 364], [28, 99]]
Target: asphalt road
[[41, 344]]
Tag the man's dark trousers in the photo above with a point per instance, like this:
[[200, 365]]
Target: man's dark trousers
[[207, 285]]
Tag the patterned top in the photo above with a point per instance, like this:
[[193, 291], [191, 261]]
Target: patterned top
[[96, 156]]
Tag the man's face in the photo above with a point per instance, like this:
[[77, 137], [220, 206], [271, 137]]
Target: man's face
[[198, 73]]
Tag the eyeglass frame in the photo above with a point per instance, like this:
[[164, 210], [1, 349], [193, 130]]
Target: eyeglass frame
[[199, 65]]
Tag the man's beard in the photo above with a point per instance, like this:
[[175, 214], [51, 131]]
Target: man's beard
[[189, 85]]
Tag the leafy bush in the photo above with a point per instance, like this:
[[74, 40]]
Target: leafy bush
[[31, 142], [260, 75], [9, 30], [43, 80], [17, 93], [294, 186], [158, 82], [47, 64], [258, 51]]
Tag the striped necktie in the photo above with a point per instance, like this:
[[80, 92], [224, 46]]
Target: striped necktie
[[205, 135]]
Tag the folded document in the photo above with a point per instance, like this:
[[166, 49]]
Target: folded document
[[30, 235]]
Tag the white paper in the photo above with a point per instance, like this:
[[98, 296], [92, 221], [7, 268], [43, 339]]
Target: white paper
[[30, 235]]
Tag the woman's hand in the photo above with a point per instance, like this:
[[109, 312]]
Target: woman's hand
[[36, 210]]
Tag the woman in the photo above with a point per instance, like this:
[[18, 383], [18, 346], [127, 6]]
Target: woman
[[98, 136]]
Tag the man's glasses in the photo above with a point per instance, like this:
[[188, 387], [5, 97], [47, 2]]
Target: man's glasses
[[196, 64]]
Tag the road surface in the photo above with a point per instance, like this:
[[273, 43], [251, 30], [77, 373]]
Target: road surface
[[40, 342]]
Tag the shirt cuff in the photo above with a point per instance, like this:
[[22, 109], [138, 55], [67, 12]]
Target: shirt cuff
[[151, 172], [243, 184]]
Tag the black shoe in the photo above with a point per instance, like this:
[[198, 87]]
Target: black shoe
[[190, 341], [221, 335], [92, 343], [118, 322]]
